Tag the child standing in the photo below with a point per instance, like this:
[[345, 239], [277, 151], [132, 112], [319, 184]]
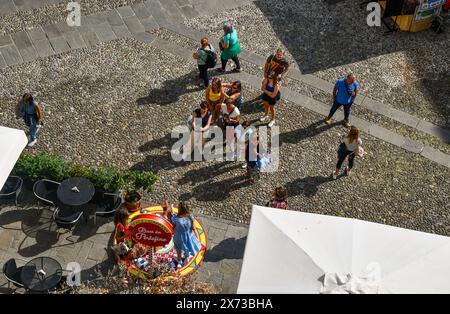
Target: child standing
[[279, 199], [184, 238]]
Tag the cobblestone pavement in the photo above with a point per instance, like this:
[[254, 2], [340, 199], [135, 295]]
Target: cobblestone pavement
[[126, 68]]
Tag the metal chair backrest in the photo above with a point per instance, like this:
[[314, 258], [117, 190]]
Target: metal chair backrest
[[11, 186], [10, 271], [44, 189]]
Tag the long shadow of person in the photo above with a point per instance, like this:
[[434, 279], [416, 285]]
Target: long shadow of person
[[206, 173], [298, 135], [306, 186], [230, 248], [171, 90], [216, 191]]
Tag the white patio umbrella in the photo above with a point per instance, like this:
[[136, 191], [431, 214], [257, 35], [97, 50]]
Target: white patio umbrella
[[12, 142], [295, 252]]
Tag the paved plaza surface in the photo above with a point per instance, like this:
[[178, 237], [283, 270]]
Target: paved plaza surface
[[114, 88]]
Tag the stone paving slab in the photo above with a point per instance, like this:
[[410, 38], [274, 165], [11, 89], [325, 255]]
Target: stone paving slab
[[189, 11], [134, 25], [90, 38], [52, 31], [433, 129], [3, 64], [75, 40], [28, 54], [21, 40], [7, 7], [141, 10], [59, 44], [5, 40], [104, 32], [121, 31], [125, 11], [114, 18], [158, 12], [43, 48], [36, 34], [149, 23], [436, 156], [387, 135], [11, 55], [144, 37]]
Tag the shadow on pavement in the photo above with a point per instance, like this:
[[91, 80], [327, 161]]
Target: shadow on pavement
[[230, 248]]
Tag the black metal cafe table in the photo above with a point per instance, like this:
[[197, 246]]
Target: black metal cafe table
[[75, 191], [41, 274]]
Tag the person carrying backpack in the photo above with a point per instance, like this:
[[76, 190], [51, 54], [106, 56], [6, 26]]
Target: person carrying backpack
[[206, 58], [32, 115], [279, 199]]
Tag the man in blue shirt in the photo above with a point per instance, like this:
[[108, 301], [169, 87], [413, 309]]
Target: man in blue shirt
[[344, 94]]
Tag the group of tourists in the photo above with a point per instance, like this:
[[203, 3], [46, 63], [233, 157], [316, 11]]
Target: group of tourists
[[225, 100]]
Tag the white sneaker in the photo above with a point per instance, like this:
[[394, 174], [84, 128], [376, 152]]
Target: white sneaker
[[32, 143], [264, 118], [334, 175], [271, 123], [244, 166]]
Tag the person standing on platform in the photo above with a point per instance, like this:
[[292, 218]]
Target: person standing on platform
[[184, 238], [344, 94], [229, 44]]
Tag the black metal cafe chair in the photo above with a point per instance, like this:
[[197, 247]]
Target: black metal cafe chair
[[66, 218], [12, 188], [13, 273], [45, 191], [106, 205]]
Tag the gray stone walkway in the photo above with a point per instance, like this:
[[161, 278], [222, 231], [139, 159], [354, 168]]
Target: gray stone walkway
[[11, 6], [139, 19], [26, 233]]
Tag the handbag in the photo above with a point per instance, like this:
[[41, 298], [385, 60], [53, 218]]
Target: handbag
[[359, 152], [262, 162], [189, 122]]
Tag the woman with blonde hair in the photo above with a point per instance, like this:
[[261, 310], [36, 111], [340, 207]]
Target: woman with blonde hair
[[350, 147], [215, 96]]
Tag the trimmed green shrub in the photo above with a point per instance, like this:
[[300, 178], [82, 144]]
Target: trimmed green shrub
[[44, 166]]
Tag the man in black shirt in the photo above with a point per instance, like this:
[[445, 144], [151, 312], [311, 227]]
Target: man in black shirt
[[276, 63]]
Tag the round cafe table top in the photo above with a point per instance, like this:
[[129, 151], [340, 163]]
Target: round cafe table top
[[41, 274], [75, 191]]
